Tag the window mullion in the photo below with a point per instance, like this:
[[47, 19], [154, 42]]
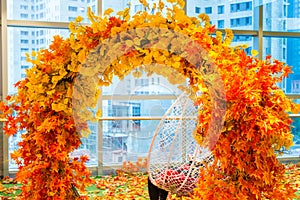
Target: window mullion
[[3, 87], [260, 33], [100, 105]]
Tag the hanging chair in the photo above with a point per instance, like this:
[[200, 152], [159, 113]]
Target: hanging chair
[[174, 157]]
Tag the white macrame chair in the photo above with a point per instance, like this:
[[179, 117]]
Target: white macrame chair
[[174, 157]]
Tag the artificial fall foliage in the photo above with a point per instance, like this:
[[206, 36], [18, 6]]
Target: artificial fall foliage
[[140, 166], [124, 185], [54, 101]]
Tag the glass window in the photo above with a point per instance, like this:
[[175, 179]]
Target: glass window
[[126, 139], [72, 19], [24, 16], [239, 16], [55, 11], [250, 41], [242, 38], [72, 8], [93, 8], [118, 5], [286, 18], [89, 146], [208, 10], [24, 41], [24, 50], [138, 8], [220, 23], [18, 44], [24, 66], [23, 7], [25, 33], [128, 144], [221, 9], [286, 50], [294, 151], [239, 7], [82, 9], [248, 50], [130, 86], [129, 108], [130, 139], [243, 21]]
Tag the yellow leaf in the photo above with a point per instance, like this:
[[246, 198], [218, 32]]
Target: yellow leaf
[[33, 53], [144, 2], [98, 113], [108, 11], [126, 15], [51, 194], [176, 64], [50, 92], [81, 56], [161, 5], [69, 92], [78, 19], [137, 74], [254, 53], [59, 106]]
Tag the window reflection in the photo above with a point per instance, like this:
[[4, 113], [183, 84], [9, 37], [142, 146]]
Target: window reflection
[[282, 15], [144, 85], [89, 146], [295, 149], [126, 141], [286, 50], [21, 41], [226, 14], [130, 139]]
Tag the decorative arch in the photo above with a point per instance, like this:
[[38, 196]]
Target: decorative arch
[[193, 62], [53, 102]]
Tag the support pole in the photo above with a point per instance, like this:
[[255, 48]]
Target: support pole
[[3, 87]]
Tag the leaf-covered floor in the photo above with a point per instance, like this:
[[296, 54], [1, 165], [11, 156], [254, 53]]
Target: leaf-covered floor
[[122, 187]]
